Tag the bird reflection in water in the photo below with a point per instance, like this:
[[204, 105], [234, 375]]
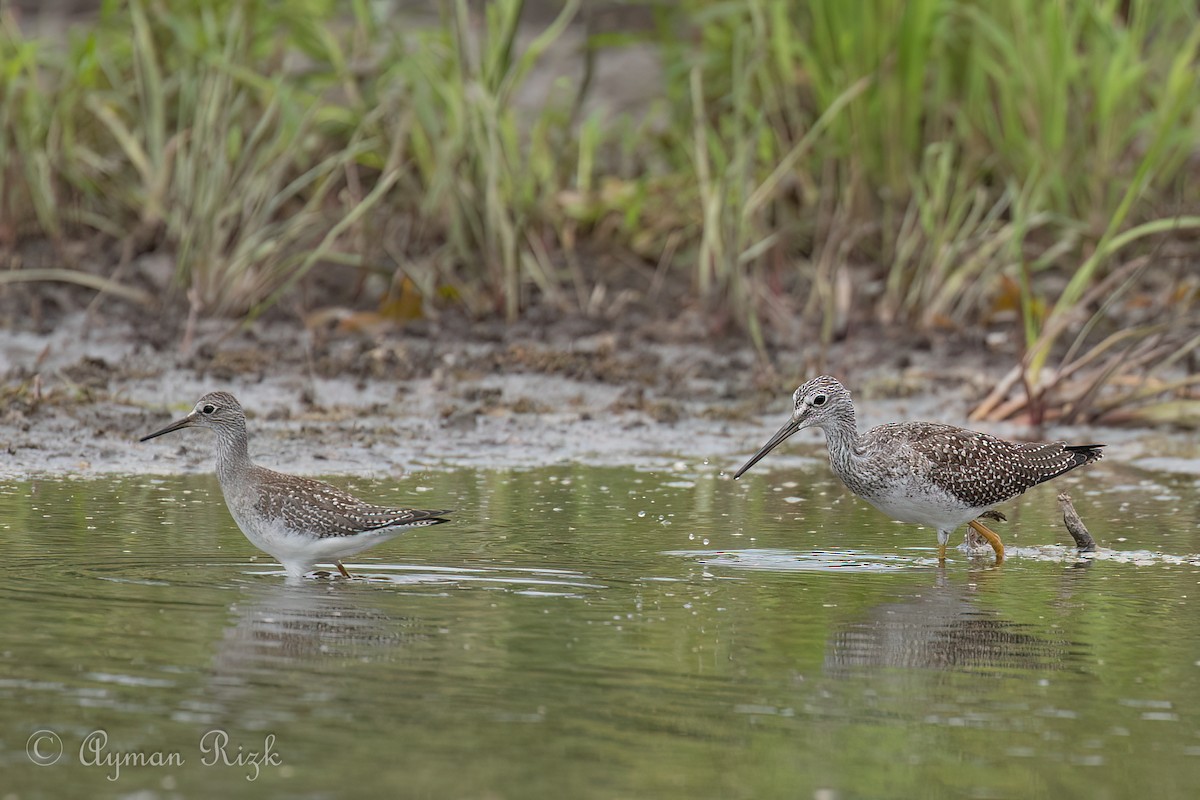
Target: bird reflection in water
[[944, 628], [295, 624]]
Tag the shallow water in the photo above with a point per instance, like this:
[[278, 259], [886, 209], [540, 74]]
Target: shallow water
[[587, 632]]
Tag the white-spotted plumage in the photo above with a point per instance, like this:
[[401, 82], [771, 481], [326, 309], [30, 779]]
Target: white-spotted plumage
[[923, 472], [298, 521]]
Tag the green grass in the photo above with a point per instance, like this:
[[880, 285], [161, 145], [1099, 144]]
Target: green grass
[[909, 161]]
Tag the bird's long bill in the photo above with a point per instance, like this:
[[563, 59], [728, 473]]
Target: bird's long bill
[[186, 422], [787, 430]]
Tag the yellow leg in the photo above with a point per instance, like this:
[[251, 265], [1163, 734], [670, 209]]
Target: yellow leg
[[941, 554], [992, 538], [345, 574]]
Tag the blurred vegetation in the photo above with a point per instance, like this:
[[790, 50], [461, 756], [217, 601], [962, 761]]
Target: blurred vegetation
[[941, 163]]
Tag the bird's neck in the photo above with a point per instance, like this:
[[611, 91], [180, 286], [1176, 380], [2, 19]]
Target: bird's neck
[[233, 456], [842, 436]]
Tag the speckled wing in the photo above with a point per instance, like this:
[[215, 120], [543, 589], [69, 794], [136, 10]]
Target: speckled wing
[[324, 510], [982, 470]]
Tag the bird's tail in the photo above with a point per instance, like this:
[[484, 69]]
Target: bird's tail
[[1085, 453]]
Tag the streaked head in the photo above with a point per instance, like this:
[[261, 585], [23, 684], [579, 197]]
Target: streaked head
[[817, 403], [219, 411]]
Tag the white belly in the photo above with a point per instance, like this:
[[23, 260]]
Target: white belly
[[934, 508], [298, 552]]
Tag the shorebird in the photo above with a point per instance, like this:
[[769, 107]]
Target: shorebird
[[923, 472], [296, 520]]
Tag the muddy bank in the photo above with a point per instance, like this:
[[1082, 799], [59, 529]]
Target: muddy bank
[[77, 397]]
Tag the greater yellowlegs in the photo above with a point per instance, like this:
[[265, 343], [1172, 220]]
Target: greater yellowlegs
[[923, 472], [296, 520]]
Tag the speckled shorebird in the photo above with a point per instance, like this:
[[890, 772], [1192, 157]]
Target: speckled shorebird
[[923, 472], [296, 520]]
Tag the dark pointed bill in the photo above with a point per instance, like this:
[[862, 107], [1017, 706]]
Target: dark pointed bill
[[787, 430], [186, 422]]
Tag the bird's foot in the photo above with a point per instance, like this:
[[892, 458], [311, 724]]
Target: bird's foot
[[992, 538]]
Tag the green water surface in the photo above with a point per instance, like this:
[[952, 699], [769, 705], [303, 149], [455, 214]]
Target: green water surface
[[584, 632]]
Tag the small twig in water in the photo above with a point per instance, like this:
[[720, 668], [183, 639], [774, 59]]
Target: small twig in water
[[1075, 526]]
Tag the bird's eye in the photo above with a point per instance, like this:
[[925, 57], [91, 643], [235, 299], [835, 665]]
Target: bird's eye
[[209, 408], [819, 400]]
